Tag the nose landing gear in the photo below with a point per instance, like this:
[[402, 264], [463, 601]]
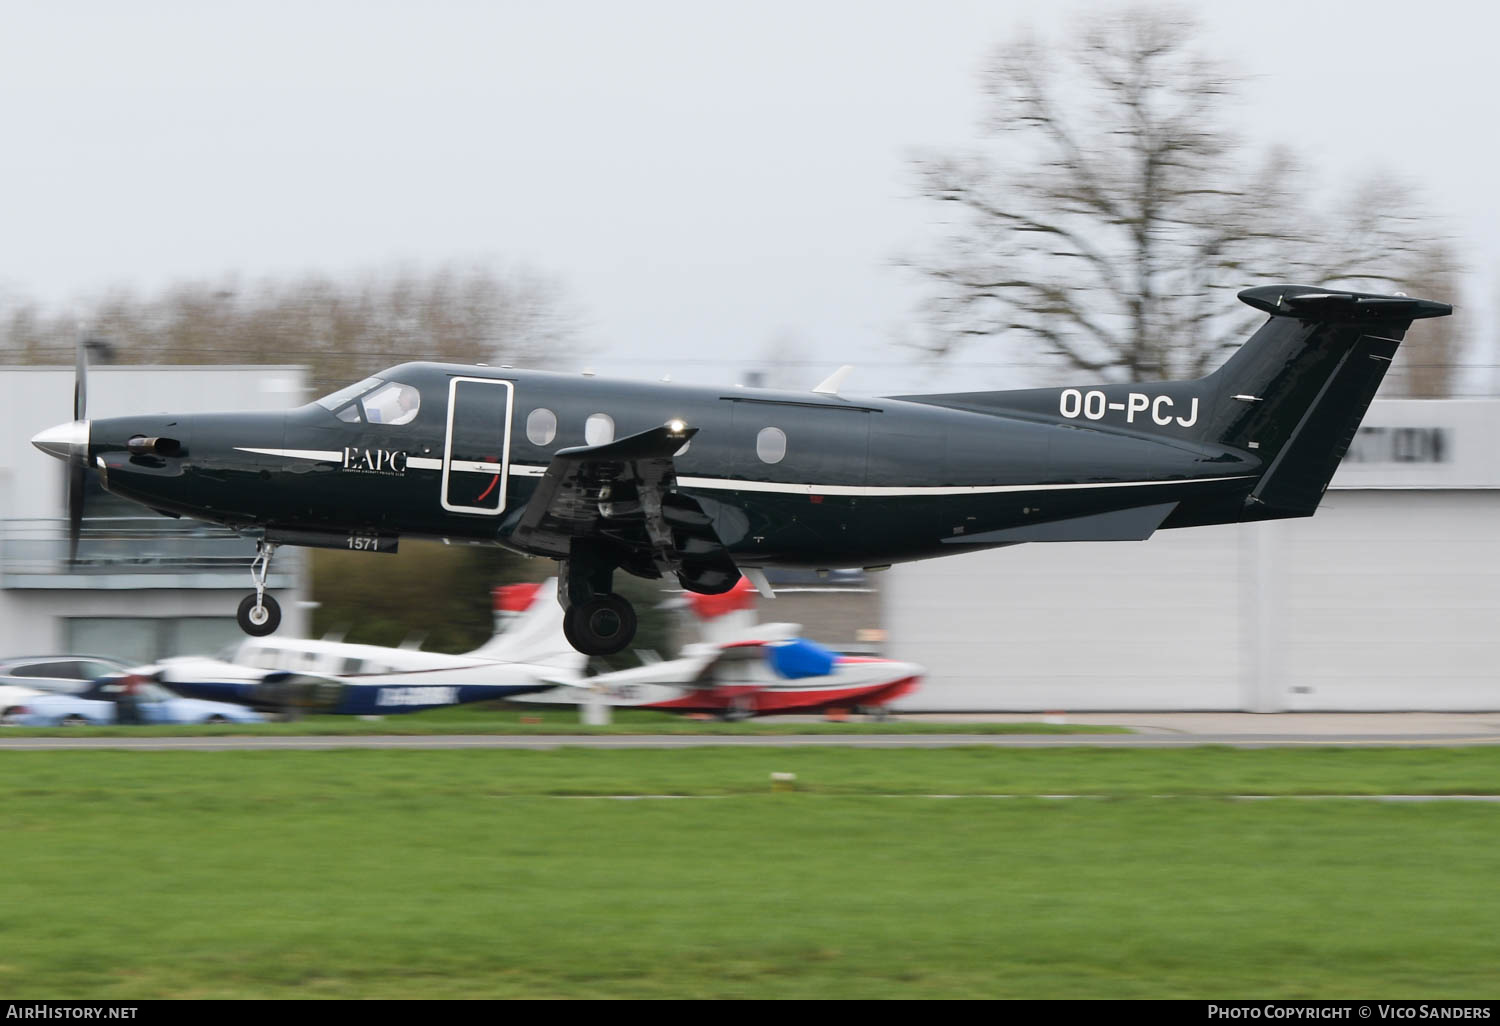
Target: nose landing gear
[[259, 614]]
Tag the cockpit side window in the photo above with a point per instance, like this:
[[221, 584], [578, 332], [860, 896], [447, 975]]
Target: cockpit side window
[[393, 405], [336, 399]]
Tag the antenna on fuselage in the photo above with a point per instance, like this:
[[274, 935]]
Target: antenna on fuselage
[[834, 381]]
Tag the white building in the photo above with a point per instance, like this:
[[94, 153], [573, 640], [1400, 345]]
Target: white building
[[1387, 599], [144, 585]]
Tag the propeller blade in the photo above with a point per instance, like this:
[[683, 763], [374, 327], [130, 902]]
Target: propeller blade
[[78, 464], [76, 471], [81, 381]]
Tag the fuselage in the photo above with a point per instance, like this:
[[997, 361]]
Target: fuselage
[[793, 479]]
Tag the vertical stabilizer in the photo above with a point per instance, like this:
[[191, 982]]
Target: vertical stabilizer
[[536, 636], [1296, 392]]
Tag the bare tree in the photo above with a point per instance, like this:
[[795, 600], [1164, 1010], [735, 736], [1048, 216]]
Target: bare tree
[[1429, 359], [1115, 215], [341, 329]]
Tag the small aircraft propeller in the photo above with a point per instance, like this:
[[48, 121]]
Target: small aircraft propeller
[[70, 443]]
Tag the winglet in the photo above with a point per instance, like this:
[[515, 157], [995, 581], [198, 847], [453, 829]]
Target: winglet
[[831, 384]]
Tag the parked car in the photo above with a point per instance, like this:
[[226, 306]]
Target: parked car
[[69, 674], [126, 699], [14, 701]]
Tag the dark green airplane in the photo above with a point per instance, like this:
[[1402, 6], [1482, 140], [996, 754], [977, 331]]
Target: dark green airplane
[[699, 483]]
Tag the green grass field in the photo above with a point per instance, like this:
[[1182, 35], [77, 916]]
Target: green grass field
[[481, 718], [476, 874]]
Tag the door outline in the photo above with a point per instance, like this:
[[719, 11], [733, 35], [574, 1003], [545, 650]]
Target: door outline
[[468, 467]]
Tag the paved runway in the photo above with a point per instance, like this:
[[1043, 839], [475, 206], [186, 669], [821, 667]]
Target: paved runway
[[1151, 730]]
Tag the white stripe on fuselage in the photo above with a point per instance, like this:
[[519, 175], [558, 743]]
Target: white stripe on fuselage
[[337, 456], [874, 491], [781, 487]]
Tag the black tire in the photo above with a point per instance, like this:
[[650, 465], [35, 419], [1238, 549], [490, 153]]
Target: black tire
[[601, 626], [8, 716], [248, 615], [73, 720], [217, 718]]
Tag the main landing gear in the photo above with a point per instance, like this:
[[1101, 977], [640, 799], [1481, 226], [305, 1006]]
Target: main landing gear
[[596, 621], [260, 614]]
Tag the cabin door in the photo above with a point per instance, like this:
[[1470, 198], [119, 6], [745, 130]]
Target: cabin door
[[476, 448]]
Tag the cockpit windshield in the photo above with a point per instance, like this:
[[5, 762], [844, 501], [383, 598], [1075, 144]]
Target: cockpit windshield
[[343, 395], [394, 404]]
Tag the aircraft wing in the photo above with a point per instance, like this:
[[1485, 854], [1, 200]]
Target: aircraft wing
[[625, 493]]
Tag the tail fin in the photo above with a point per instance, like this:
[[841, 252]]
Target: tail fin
[[1292, 396], [728, 616], [536, 636], [1297, 390]]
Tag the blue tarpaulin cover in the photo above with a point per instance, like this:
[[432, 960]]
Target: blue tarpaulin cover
[[801, 658]]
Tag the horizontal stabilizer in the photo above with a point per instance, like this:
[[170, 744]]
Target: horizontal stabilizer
[[1314, 304], [1136, 524]]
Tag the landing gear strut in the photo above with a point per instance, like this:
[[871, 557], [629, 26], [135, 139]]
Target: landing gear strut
[[596, 621], [260, 614]]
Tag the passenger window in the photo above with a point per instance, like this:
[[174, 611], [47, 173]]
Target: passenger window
[[541, 427], [395, 404], [599, 429], [770, 445], [349, 414]]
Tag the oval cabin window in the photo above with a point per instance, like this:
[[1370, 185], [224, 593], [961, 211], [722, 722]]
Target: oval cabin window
[[541, 426], [770, 445], [599, 428]]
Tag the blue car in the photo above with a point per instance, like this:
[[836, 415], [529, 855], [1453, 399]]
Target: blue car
[[125, 700]]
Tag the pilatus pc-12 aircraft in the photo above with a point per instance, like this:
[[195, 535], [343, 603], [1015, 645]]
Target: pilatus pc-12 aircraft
[[700, 483]]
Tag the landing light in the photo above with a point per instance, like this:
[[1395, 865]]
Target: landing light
[[676, 427]]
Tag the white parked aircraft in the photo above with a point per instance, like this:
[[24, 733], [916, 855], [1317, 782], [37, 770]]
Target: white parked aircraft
[[528, 654], [744, 668]]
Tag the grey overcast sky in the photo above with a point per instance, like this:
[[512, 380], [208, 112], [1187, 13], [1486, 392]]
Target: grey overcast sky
[[708, 180]]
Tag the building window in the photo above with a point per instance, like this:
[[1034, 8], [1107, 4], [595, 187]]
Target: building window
[[770, 445], [137, 640], [599, 429], [541, 426]]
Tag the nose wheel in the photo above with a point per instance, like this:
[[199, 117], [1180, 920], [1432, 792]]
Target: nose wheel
[[259, 614]]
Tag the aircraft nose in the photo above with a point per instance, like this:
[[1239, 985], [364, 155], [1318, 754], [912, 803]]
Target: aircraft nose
[[61, 441]]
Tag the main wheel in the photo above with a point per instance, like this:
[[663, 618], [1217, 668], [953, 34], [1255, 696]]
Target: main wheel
[[258, 620], [601, 626]]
